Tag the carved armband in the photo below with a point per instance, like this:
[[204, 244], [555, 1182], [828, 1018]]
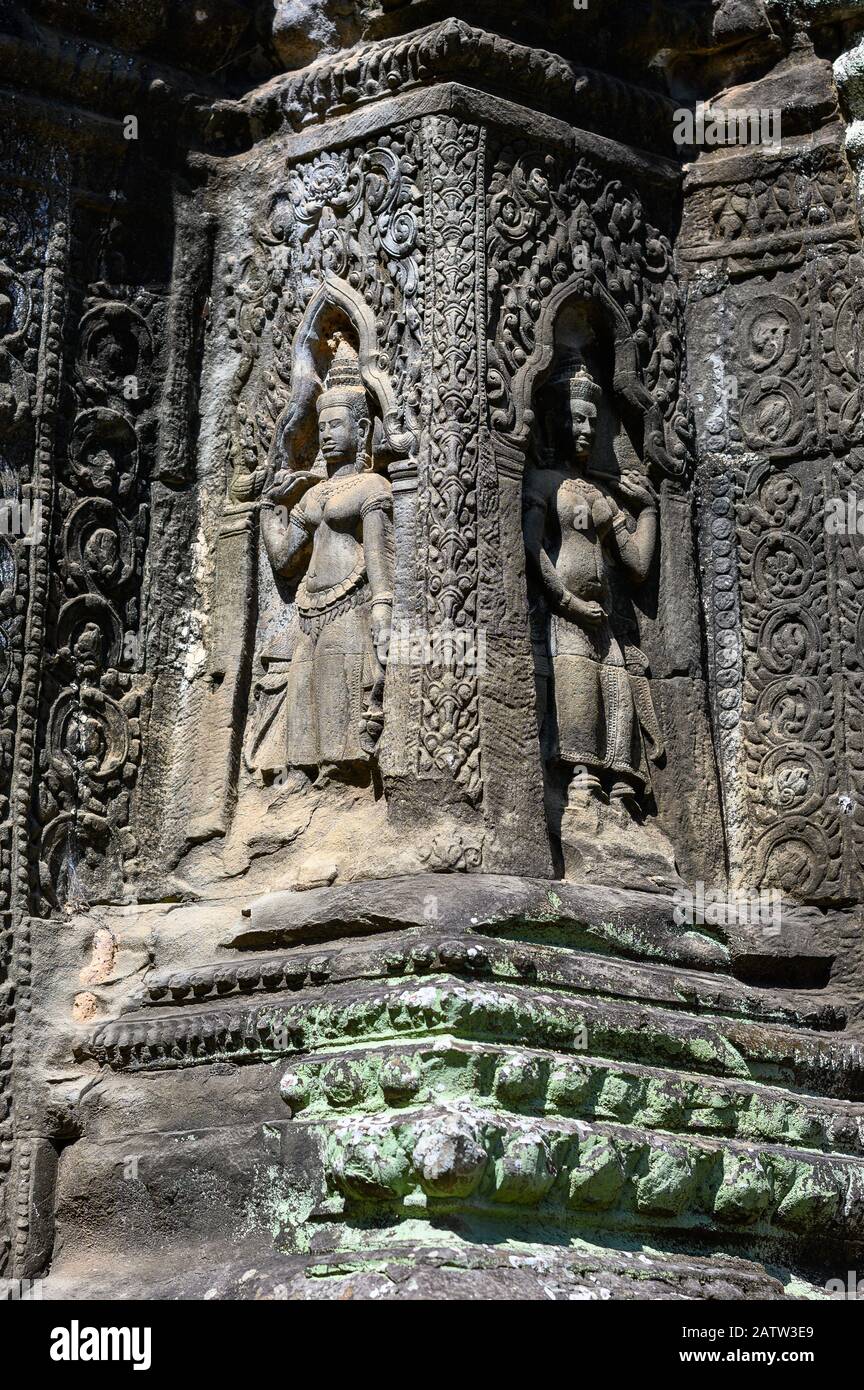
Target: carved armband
[[381, 503]]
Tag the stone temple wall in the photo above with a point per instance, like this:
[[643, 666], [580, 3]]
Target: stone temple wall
[[432, 649]]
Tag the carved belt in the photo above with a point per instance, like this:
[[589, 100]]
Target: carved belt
[[314, 610]]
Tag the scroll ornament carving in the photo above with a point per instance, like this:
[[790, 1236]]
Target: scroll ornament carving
[[850, 576], [775, 400], [769, 404], [794, 363], [449, 729], [21, 307], [93, 728], [18, 329], [788, 701], [352, 215], [22, 461], [842, 360]]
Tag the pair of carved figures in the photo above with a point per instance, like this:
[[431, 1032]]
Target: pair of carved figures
[[331, 528]]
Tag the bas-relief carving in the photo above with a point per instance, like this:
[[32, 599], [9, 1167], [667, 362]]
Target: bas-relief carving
[[594, 701], [93, 725], [30, 282], [352, 218], [393, 406], [778, 432], [448, 507], [332, 235], [329, 528], [333, 252], [460, 52], [591, 532]]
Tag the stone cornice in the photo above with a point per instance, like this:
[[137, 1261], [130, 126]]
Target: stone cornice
[[97, 81], [455, 51]]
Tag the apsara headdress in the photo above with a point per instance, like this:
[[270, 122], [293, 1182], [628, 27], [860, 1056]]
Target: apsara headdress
[[344, 385], [572, 372]]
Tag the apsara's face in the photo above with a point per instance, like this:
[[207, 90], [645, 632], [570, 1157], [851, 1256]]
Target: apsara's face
[[337, 433], [583, 421]]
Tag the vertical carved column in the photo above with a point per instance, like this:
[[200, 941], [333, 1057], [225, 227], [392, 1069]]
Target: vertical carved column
[[475, 704], [776, 426], [397, 751], [96, 695], [26, 1167], [31, 309], [450, 734]]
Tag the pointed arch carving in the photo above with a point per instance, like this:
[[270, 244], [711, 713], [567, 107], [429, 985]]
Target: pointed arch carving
[[334, 301], [626, 380]]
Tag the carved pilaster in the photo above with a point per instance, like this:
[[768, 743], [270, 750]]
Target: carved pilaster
[[475, 705], [778, 425], [450, 453]]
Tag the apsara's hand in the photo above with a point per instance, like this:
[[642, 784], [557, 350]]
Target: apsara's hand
[[286, 488], [586, 611], [637, 488]]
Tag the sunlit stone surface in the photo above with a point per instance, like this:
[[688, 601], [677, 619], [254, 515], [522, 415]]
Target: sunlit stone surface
[[431, 649]]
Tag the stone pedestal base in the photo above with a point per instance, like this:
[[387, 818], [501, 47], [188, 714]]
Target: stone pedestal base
[[474, 1065], [602, 843]]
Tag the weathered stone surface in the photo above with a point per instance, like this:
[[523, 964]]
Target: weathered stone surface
[[633, 922], [431, 650]]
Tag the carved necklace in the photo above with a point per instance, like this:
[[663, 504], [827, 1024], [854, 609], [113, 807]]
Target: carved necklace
[[333, 486], [575, 485]]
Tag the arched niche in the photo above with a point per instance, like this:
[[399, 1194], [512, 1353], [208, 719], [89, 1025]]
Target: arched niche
[[336, 305], [608, 320]]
